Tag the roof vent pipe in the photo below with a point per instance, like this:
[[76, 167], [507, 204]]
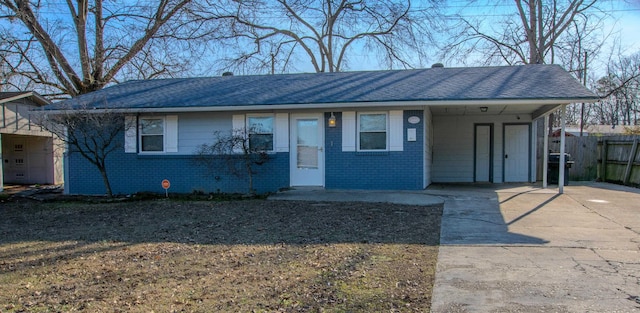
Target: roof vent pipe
[[435, 65], [227, 74]]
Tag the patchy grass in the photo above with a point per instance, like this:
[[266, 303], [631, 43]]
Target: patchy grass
[[241, 256]]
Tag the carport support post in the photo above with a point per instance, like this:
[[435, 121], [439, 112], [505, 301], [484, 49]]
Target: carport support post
[[561, 177], [545, 152]]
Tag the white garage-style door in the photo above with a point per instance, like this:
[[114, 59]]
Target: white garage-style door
[[27, 159]]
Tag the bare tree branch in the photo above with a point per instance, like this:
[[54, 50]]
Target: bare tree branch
[[326, 32], [107, 39]]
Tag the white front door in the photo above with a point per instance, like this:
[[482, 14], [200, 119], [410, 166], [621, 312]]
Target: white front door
[[307, 150], [516, 153], [483, 153]]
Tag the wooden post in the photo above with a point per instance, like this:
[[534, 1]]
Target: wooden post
[[632, 157]]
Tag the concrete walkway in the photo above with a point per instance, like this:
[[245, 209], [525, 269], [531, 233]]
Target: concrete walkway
[[399, 197], [525, 249]]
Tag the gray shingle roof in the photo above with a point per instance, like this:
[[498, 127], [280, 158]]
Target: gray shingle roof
[[535, 82]]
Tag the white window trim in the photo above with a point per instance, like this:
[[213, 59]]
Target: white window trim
[[274, 128], [131, 134], [164, 134], [396, 130], [386, 113], [281, 127], [348, 131], [169, 134]]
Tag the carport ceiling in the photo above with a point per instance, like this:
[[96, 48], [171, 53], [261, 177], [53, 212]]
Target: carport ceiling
[[534, 109]]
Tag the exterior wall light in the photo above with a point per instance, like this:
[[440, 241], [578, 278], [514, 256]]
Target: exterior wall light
[[332, 120], [484, 109]]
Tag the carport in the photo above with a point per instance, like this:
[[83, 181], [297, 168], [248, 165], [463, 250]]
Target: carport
[[496, 141]]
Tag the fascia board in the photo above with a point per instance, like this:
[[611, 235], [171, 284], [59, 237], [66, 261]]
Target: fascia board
[[37, 98], [545, 102]]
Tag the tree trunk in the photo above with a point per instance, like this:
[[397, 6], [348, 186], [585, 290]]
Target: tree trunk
[[247, 164], [105, 179]]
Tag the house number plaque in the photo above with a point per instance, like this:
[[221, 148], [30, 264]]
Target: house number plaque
[[413, 120]]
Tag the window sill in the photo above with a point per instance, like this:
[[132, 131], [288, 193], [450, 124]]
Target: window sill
[[374, 153], [164, 155]]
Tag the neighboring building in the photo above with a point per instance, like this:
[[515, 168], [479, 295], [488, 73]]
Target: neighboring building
[[29, 154], [393, 130]]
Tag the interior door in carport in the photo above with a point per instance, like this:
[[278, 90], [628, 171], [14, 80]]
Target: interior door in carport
[[516, 153], [483, 153]]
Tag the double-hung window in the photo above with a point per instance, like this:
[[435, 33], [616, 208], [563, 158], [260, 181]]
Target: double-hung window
[[260, 130], [152, 134], [372, 131]]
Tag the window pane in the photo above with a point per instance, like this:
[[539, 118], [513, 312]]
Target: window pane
[[373, 141], [261, 125], [261, 142], [307, 132], [152, 143], [373, 122], [307, 143], [152, 126], [307, 157]]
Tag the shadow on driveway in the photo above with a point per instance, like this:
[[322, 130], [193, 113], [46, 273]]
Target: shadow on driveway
[[524, 249], [472, 214]]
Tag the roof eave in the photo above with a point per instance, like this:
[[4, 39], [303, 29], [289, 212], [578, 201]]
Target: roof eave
[[547, 103], [37, 98]]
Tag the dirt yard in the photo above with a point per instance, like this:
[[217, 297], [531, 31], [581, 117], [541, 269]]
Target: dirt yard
[[203, 256]]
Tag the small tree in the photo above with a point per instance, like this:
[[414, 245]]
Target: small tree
[[94, 134], [236, 152]]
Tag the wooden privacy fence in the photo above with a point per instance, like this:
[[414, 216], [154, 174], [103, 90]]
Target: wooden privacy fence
[[619, 161], [583, 150]]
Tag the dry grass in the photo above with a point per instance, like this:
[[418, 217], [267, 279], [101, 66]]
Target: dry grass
[[242, 256]]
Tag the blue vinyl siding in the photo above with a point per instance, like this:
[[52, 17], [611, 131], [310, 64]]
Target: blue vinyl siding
[[388, 170]]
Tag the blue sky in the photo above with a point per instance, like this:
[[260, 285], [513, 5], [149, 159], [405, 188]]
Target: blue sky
[[623, 24]]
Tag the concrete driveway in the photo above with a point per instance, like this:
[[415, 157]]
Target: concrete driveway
[[525, 249]]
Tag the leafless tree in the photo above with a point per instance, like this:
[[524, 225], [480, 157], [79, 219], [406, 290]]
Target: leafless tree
[[92, 134], [568, 32], [234, 152], [530, 35], [327, 33], [620, 92], [74, 47]]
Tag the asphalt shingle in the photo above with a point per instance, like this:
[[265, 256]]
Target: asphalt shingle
[[524, 82]]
